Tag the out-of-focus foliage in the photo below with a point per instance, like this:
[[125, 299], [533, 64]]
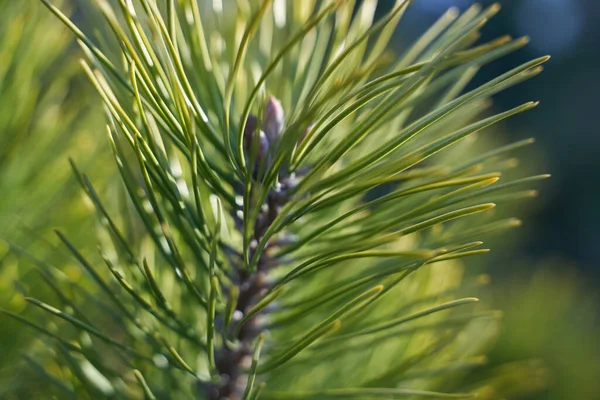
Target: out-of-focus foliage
[[553, 316], [46, 114]]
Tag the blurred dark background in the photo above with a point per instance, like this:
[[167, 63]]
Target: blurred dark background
[[565, 222]]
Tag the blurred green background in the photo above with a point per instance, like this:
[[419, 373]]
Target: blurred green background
[[545, 276]]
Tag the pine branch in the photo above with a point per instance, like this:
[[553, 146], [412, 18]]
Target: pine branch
[[292, 188]]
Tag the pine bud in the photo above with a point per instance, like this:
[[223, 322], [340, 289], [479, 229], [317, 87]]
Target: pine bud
[[249, 129], [263, 147], [250, 132], [273, 119]]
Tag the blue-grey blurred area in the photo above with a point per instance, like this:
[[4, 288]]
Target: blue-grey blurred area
[[565, 125]]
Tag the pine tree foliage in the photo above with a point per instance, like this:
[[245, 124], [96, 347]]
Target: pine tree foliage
[[298, 201], [40, 101], [46, 111]]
